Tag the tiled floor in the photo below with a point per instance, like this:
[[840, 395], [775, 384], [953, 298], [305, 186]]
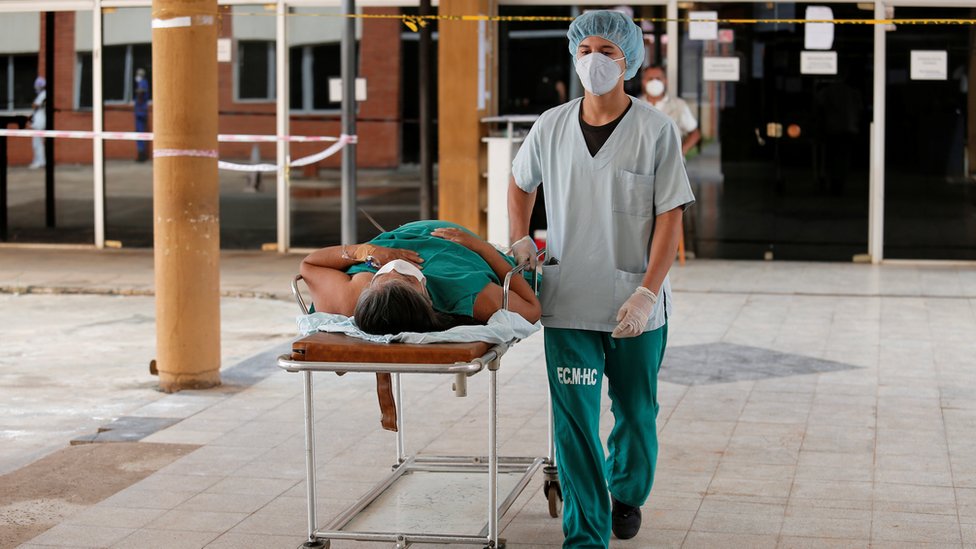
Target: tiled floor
[[802, 406]]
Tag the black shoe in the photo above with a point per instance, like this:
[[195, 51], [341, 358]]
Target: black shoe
[[626, 519]]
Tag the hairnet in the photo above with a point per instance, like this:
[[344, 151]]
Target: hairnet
[[615, 27]]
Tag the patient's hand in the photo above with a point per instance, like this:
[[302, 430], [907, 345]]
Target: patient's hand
[[384, 255], [463, 238]]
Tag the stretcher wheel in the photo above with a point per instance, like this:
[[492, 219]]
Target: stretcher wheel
[[501, 545], [554, 494]]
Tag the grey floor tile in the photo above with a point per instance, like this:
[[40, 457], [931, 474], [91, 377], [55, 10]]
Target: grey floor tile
[[239, 541], [225, 503], [197, 521], [805, 525], [915, 528], [115, 517], [913, 493], [81, 535], [710, 540], [170, 539], [794, 542], [842, 490], [737, 523]]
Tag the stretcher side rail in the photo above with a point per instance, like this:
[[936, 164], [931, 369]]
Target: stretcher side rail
[[289, 364]]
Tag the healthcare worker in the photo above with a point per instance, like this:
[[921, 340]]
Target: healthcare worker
[[615, 191], [38, 121], [656, 92]]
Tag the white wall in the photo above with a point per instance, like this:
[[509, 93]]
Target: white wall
[[122, 26], [304, 26], [20, 33]]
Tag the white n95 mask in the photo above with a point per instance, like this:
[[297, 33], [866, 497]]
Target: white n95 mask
[[598, 73], [403, 267], [654, 87]]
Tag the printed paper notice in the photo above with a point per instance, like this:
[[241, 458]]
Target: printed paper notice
[[335, 90], [818, 36], [929, 65], [721, 69], [703, 30], [224, 49], [818, 62]]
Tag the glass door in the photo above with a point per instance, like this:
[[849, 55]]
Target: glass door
[[782, 168], [930, 190]]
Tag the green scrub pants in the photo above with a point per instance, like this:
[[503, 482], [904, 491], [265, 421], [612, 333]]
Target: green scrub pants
[[576, 362]]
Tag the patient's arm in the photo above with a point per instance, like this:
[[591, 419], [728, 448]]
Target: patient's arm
[[521, 298], [333, 291]]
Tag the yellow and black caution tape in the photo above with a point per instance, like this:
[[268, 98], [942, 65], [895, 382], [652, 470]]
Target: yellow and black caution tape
[[416, 22]]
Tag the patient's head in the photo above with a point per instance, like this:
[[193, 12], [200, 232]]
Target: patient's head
[[392, 304]]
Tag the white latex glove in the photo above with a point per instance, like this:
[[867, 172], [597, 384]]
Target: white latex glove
[[634, 313], [524, 249]]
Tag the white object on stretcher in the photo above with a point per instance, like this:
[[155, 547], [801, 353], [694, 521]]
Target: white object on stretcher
[[503, 327]]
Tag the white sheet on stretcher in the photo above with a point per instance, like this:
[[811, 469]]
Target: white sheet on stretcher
[[502, 327]]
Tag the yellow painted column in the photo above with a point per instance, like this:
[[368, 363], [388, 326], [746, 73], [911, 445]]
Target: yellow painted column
[[466, 94], [186, 193]]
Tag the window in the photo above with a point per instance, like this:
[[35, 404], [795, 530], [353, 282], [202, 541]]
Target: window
[[17, 74], [255, 70], [311, 68], [119, 65]]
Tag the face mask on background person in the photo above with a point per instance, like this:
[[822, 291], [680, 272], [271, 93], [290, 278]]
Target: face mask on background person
[[655, 87], [598, 73]]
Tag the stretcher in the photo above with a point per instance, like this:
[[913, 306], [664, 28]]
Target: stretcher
[[402, 507]]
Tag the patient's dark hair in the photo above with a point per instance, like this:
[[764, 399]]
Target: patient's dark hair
[[396, 307]]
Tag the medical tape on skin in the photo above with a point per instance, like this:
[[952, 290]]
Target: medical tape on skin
[[164, 153], [186, 21]]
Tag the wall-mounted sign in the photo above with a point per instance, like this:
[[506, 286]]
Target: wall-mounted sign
[[818, 62], [335, 89], [721, 69], [224, 49], [818, 36], [929, 64], [700, 28]]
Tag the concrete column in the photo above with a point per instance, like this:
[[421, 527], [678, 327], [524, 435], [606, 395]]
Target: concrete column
[[465, 95], [186, 193]]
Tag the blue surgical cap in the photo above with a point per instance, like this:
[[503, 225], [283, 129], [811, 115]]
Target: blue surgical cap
[[615, 27]]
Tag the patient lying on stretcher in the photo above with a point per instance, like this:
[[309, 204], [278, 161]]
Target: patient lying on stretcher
[[423, 276]]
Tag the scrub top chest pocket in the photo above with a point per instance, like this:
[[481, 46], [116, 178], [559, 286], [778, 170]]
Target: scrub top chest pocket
[[633, 194]]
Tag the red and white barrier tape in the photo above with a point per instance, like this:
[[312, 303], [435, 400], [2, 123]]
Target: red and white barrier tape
[[339, 143], [148, 136]]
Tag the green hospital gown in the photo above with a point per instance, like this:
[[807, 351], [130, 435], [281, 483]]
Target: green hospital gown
[[455, 274]]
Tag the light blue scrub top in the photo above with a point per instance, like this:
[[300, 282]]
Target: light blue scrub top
[[601, 210]]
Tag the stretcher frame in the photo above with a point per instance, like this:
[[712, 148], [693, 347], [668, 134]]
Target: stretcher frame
[[491, 464]]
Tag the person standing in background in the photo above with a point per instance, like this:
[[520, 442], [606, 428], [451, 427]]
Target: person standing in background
[[141, 110], [655, 92], [38, 121]]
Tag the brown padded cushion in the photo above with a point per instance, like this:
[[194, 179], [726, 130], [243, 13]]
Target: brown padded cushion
[[325, 347]]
